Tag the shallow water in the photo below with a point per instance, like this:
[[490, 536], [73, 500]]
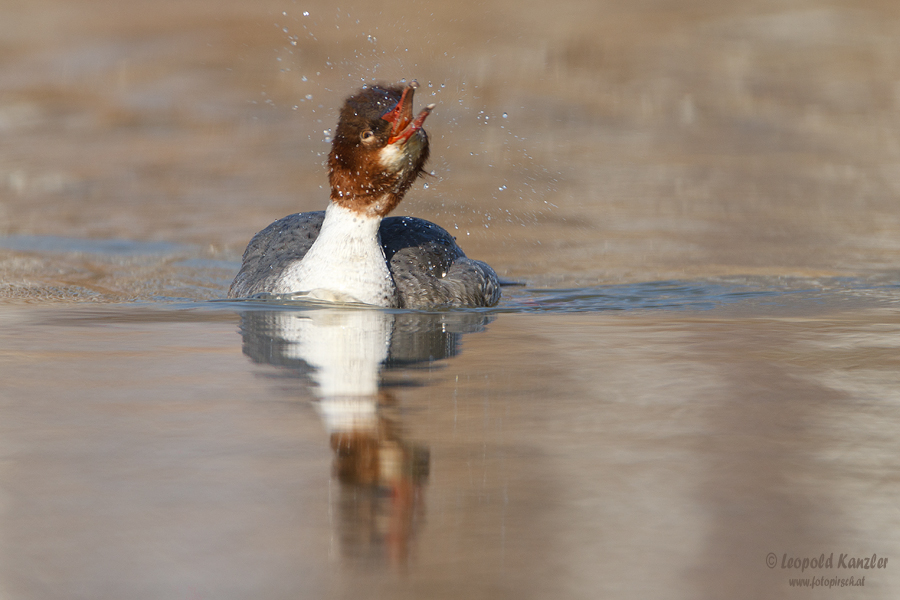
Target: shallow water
[[223, 450], [697, 368]]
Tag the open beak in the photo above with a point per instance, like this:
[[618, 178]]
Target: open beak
[[403, 126]]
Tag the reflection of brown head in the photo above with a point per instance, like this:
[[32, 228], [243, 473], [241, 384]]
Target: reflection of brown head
[[382, 477], [356, 457], [377, 458]]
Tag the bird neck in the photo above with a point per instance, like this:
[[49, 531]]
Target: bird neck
[[345, 263], [366, 203]]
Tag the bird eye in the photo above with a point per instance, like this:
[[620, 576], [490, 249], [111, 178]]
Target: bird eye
[[367, 136]]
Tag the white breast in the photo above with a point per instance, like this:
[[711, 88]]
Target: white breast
[[344, 264]]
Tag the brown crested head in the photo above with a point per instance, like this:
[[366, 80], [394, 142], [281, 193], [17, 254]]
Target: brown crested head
[[379, 149]]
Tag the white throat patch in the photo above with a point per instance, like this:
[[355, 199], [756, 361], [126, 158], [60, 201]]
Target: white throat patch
[[398, 157]]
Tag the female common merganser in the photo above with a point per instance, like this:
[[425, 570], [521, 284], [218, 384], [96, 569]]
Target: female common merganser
[[350, 252]]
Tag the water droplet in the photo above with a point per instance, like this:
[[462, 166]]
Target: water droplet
[[305, 13], [505, 115], [309, 96], [284, 29], [425, 186], [303, 78], [502, 188]]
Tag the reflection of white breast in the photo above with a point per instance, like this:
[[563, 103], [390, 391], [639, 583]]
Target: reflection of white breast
[[345, 348]]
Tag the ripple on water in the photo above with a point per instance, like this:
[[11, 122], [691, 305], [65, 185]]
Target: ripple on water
[[703, 294], [108, 247], [755, 293]]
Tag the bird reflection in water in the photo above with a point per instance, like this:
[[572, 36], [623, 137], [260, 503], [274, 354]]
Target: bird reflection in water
[[344, 353]]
